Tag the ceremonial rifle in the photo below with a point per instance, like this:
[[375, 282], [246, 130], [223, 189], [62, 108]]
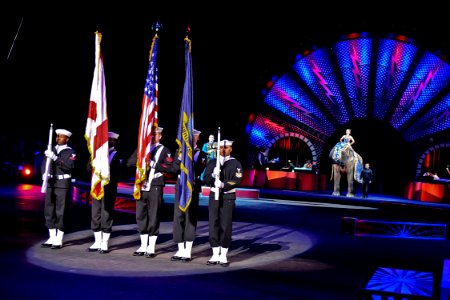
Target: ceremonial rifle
[[218, 163], [48, 161]]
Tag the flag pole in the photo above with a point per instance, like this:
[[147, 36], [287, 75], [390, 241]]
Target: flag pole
[[96, 134], [156, 27], [185, 136], [149, 116]]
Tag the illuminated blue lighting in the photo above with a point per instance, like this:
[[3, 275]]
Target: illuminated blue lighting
[[316, 70], [353, 58], [435, 120], [401, 282], [288, 98], [394, 60], [330, 86], [431, 76]]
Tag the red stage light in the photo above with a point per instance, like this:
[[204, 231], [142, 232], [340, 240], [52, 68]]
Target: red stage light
[[27, 172]]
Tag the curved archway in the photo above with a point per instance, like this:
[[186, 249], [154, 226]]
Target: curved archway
[[422, 165], [302, 138], [360, 77]]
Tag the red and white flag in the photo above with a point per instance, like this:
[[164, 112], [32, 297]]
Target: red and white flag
[[96, 133], [148, 122]]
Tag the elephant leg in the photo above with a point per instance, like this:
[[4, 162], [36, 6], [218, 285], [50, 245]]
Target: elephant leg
[[337, 180], [350, 192]]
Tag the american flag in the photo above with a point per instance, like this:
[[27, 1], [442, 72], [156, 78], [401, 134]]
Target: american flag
[[96, 133], [185, 134], [149, 120]]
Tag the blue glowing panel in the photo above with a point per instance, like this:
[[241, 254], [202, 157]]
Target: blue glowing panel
[[316, 70], [406, 230], [435, 120], [264, 128], [402, 282], [430, 77], [393, 61], [288, 98], [267, 127], [353, 58], [311, 101], [258, 134]]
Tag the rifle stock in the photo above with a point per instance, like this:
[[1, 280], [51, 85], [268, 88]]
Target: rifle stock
[[216, 194], [47, 162]]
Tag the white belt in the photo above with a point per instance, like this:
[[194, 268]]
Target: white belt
[[214, 189], [65, 176], [146, 185]]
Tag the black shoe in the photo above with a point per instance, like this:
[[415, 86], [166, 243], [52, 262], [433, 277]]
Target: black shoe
[[186, 259], [225, 264], [93, 249], [149, 255], [45, 245], [138, 253], [212, 263], [176, 258], [103, 251], [56, 247]]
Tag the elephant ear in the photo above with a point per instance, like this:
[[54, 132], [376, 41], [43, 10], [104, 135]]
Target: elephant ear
[[358, 168], [334, 153]]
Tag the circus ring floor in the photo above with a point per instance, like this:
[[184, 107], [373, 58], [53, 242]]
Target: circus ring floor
[[253, 245]]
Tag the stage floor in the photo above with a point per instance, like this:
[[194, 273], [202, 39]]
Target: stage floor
[[286, 245]]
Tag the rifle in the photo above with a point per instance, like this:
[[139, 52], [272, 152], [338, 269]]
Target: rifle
[[48, 161], [216, 194]]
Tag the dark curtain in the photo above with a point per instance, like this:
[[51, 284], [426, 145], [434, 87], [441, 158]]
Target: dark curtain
[[437, 162], [290, 149]]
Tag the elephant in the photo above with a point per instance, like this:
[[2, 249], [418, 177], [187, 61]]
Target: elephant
[[345, 160]]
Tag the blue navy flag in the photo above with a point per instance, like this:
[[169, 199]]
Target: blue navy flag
[[185, 137]]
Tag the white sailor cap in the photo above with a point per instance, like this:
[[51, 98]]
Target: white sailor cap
[[63, 131], [159, 129], [196, 132], [225, 143], [113, 135]]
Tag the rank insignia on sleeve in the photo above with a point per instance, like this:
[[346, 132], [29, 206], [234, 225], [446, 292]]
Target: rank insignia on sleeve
[[239, 173]]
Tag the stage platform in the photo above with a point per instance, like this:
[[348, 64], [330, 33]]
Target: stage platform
[[125, 199], [288, 241]]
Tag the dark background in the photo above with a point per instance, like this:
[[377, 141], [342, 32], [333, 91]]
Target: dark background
[[47, 65]]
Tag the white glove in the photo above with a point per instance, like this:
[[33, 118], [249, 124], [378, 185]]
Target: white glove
[[152, 163], [50, 154], [216, 172], [218, 184]]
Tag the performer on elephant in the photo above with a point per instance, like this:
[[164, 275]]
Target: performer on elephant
[[345, 160], [345, 143]]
